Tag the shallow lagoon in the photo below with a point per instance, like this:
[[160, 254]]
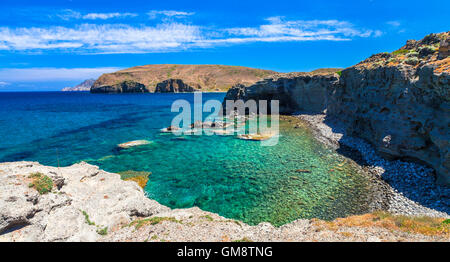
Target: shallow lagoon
[[235, 178]]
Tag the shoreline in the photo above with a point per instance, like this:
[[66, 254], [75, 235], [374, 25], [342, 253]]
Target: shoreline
[[411, 187]]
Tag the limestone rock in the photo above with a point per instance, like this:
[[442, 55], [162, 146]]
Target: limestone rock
[[88, 201]]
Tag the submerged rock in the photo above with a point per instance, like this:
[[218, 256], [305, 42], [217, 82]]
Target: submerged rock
[[256, 137], [134, 143]]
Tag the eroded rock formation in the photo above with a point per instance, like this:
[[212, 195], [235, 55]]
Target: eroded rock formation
[[399, 101], [174, 86], [295, 91], [122, 87]]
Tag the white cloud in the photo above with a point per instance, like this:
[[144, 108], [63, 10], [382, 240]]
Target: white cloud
[[51, 74], [68, 14], [104, 16], [301, 30], [2, 84], [153, 14], [394, 23], [171, 36], [101, 38]]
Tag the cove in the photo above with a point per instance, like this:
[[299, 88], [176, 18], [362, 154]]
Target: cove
[[297, 178]]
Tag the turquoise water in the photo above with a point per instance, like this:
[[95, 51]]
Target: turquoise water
[[235, 178]]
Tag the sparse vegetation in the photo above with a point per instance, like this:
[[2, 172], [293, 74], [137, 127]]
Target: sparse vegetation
[[152, 221], [420, 225], [208, 217], [140, 177], [400, 52], [412, 61], [102, 231], [245, 239], [86, 218], [339, 73], [42, 183]]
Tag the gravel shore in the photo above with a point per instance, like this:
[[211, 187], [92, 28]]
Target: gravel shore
[[411, 187]]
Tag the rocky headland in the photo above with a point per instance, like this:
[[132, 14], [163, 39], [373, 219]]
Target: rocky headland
[[399, 101], [177, 78], [85, 86]]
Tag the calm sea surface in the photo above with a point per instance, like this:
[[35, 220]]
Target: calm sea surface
[[236, 178]]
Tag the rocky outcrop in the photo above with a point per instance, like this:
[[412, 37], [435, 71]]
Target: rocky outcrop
[[399, 101], [204, 77], [85, 203], [122, 87], [85, 86], [89, 204], [173, 86], [403, 111], [295, 91]]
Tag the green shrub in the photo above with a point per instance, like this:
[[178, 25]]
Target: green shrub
[[339, 73], [102, 231], [412, 61], [86, 218], [243, 240], [400, 52], [42, 183]]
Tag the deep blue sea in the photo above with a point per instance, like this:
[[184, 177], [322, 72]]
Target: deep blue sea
[[236, 178]]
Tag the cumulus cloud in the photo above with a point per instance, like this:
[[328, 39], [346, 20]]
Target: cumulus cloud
[[3, 84], [153, 14], [50, 74], [171, 36]]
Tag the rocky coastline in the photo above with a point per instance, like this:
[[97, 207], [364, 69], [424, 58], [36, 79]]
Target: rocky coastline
[[398, 102], [88, 204]]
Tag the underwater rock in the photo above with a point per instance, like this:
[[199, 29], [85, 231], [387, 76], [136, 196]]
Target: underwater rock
[[256, 137], [303, 171], [170, 129], [134, 143]]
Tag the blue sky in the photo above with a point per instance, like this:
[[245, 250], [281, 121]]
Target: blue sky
[[47, 45]]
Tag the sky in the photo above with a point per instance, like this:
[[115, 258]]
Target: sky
[[48, 45]]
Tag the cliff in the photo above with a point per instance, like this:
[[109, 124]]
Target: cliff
[[173, 86], [85, 86], [397, 101], [201, 77], [295, 91]]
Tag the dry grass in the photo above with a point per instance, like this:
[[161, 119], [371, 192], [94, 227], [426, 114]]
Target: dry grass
[[140, 177], [419, 225], [152, 221]]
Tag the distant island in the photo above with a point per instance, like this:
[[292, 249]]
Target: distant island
[[85, 86]]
